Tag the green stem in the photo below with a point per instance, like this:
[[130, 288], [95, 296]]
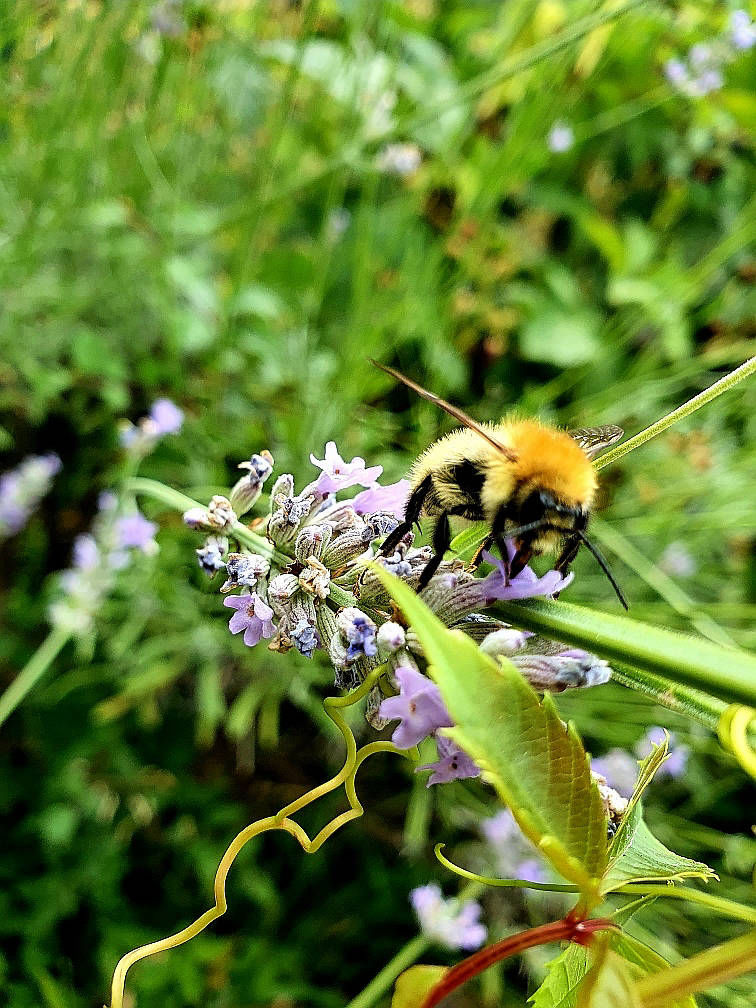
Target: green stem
[[382, 982], [723, 385], [180, 502], [707, 969], [684, 659], [33, 671], [717, 904], [692, 703]]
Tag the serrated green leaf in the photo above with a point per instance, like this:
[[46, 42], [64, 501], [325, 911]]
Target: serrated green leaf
[[566, 972], [564, 976], [645, 960], [414, 985], [536, 763], [609, 983], [643, 858], [646, 773]]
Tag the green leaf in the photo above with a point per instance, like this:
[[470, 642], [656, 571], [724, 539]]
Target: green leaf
[[566, 972], [643, 858], [414, 985], [684, 658], [536, 763], [635, 855], [564, 976], [645, 961], [469, 541], [608, 983], [646, 773]]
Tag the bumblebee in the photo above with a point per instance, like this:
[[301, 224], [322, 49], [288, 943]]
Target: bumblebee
[[530, 482]]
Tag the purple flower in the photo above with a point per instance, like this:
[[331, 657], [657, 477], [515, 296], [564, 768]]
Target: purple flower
[[526, 585], [452, 925], [305, 638], [453, 763], [210, 555], [677, 760], [391, 498], [419, 707], [561, 137], [252, 616], [515, 855], [619, 769], [86, 554], [742, 30], [166, 416], [134, 531], [359, 631], [338, 475]]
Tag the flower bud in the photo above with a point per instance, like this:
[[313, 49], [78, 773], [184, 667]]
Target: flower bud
[[312, 541], [210, 556], [390, 637], [315, 579], [247, 490], [220, 514], [281, 590], [568, 670], [244, 570], [504, 642]]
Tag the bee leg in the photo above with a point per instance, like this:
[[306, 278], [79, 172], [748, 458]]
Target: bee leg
[[485, 545], [520, 559], [441, 543], [568, 554], [411, 517]]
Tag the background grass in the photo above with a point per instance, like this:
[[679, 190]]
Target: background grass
[[195, 202]]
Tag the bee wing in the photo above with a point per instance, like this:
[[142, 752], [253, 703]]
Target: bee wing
[[454, 411], [594, 439]]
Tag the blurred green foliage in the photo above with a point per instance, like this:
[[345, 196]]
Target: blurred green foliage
[[197, 201]]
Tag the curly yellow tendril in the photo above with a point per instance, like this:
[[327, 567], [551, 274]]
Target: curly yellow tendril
[[282, 821], [504, 883], [733, 731]]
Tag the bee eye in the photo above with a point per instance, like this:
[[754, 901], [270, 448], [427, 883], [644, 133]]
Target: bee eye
[[547, 501]]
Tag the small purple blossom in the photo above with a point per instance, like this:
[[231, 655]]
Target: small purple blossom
[[527, 584], [515, 855], [453, 763], [500, 830], [391, 498], [210, 555], [676, 73], [561, 137], [252, 616], [677, 760], [338, 475], [742, 30], [244, 570], [452, 925], [418, 707], [531, 870], [134, 531], [166, 416], [305, 638], [360, 635]]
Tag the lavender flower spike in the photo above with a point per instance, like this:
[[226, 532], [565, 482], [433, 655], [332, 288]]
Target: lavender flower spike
[[527, 584], [338, 475], [453, 926], [418, 707], [252, 616], [21, 490], [453, 763]]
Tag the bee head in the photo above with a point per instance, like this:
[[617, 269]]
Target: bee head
[[542, 509]]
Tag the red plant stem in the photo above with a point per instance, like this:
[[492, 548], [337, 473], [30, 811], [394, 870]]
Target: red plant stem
[[569, 929]]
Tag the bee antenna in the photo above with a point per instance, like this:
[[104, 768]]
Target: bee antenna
[[604, 567]]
